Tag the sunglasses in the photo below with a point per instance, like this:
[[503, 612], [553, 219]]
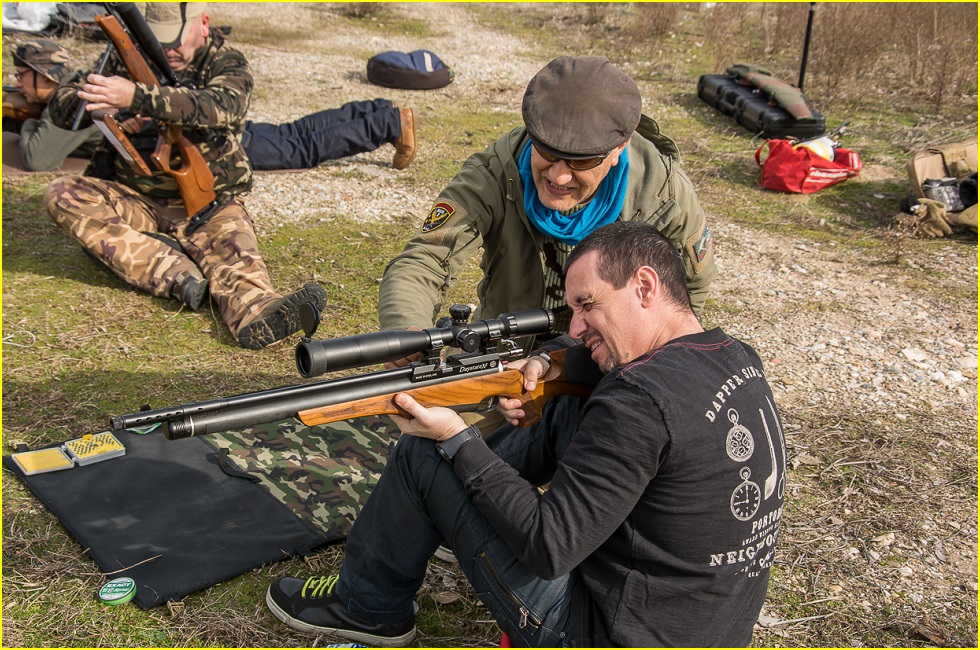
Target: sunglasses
[[579, 165]]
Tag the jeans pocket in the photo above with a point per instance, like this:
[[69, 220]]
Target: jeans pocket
[[510, 601]]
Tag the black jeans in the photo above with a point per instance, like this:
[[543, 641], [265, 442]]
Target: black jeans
[[328, 135], [419, 503]]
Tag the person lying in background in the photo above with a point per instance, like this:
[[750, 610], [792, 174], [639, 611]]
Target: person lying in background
[[331, 134]]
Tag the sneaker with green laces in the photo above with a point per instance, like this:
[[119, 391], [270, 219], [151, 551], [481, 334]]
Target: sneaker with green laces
[[311, 606]]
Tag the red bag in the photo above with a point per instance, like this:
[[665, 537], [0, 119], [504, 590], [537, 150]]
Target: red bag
[[800, 170]]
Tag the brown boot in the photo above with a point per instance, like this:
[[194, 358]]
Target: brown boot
[[281, 318], [405, 144]]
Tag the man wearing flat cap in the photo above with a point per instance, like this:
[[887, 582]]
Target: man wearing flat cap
[[137, 225], [585, 157]]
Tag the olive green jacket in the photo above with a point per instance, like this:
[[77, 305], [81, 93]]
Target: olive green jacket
[[483, 207], [44, 146]]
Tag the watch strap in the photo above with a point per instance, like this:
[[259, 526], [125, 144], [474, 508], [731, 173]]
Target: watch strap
[[448, 448]]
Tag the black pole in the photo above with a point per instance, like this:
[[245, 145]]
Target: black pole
[[806, 43]]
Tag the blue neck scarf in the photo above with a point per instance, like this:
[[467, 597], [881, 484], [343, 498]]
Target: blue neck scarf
[[602, 210]]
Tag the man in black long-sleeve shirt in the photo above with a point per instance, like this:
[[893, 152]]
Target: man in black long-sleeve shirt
[[665, 488]]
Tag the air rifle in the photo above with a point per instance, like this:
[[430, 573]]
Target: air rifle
[[471, 380], [137, 46], [16, 106]]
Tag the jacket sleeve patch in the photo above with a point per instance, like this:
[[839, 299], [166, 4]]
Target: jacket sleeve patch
[[442, 213], [698, 248]]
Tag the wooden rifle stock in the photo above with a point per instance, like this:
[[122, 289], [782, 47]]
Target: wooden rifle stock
[[16, 106], [106, 121], [193, 176], [465, 394]]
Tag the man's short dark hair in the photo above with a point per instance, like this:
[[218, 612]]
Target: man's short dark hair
[[625, 246]]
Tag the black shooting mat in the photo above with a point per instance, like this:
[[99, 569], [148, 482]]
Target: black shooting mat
[[180, 516]]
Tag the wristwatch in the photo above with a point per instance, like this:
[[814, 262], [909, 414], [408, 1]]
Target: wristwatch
[[448, 448], [543, 354]]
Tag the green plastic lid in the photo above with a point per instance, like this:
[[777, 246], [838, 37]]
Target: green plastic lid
[[118, 591]]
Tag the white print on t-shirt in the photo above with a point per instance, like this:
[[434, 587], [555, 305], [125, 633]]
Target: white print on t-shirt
[[746, 497], [758, 550], [740, 444], [728, 387], [782, 447], [771, 479]]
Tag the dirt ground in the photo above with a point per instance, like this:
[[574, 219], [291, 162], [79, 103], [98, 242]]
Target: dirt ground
[[870, 344], [874, 366]]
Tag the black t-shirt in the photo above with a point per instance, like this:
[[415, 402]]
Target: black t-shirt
[[667, 501]]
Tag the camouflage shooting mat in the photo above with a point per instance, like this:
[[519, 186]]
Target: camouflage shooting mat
[[321, 474], [180, 516]]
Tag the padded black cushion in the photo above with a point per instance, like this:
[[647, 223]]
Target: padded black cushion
[[418, 70]]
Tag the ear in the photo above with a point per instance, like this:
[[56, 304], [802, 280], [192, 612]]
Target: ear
[[647, 285], [615, 153], [205, 25]]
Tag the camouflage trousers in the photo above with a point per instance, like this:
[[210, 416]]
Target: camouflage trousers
[[112, 221]]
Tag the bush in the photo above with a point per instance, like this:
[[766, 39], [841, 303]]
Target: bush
[[653, 21], [362, 9], [921, 57]]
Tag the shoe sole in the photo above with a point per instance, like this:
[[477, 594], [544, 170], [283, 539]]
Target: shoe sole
[[283, 322], [360, 637]]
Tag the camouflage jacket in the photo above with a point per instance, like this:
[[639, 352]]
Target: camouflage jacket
[[210, 104]]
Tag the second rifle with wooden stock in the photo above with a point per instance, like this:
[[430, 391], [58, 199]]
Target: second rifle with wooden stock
[[472, 380], [16, 106], [135, 43]]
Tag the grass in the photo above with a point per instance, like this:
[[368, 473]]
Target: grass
[[80, 346]]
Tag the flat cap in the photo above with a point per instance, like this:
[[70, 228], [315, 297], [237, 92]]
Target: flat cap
[[167, 20], [47, 58], [581, 106]]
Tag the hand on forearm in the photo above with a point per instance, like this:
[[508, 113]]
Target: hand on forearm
[[102, 92]]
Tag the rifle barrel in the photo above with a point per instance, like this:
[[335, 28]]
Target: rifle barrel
[[99, 69], [262, 411], [143, 418], [143, 36], [249, 409]]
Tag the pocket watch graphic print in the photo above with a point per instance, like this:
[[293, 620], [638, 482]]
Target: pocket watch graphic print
[[746, 497], [740, 443]]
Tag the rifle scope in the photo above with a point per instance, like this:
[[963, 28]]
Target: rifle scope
[[314, 358]]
